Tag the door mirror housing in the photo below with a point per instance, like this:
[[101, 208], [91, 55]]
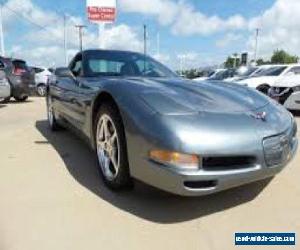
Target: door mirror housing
[[64, 72]]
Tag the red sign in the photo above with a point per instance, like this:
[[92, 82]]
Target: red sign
[[101, 14]]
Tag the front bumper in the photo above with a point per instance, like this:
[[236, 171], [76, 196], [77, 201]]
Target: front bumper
[[293, 101], [179, 182]]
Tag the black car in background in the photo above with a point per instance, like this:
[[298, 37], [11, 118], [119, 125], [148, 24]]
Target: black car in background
[[19, 77]]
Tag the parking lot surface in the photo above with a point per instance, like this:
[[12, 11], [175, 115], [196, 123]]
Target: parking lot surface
[[52, 197]]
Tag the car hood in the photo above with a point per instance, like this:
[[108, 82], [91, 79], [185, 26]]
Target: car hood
[[256, 81], [177, 96]]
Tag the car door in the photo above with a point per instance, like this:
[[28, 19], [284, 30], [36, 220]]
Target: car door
[[70, 95]]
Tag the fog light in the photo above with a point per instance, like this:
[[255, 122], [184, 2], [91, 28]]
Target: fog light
[[175, 158]]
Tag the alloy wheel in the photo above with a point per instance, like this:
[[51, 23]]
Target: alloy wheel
[[108, 147]]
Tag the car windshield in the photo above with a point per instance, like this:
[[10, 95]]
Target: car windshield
[[246, 73], [223, 74], [117, 63], [273, 71]]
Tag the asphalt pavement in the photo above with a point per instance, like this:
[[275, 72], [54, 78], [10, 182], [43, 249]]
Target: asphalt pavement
[[52, 198]]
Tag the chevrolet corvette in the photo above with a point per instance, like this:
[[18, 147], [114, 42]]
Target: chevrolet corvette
[[144, 122]]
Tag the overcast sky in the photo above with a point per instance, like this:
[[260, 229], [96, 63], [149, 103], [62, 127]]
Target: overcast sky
[[202, 31]]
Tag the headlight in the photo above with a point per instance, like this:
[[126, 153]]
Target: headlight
[[174, 158]]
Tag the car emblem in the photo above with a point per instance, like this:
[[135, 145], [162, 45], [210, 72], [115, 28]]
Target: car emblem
[[260, 116]]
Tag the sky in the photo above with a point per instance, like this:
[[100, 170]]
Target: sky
[[192, 33]]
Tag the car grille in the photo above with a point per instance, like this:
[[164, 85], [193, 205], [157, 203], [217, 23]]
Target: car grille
[[228, 162]]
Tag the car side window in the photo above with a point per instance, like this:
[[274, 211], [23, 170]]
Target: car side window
[[76, 68], [2, 65], [295, 70]]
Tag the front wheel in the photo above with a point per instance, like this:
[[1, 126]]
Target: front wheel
[[111, 148], [264, 88], [41, 90]]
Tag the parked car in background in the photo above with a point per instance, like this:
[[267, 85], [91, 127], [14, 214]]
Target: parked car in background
[[19, 77], [218, 75], [145, 122], [4, 88], [42, 75], [206, 75], [242, 73], [287, 90], [272, 76]]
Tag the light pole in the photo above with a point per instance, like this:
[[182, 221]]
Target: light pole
[[1, 32], [256, 44], [65, 40], [80, 27]]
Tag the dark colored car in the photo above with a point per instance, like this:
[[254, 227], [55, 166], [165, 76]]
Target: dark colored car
[[19, 77], [146, 123]]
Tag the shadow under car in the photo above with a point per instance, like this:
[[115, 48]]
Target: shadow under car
[[144, 201]]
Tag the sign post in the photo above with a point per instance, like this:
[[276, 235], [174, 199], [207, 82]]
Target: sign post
[[101, 12]]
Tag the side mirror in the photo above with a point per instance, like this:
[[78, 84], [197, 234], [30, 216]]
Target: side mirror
[[64, 72]]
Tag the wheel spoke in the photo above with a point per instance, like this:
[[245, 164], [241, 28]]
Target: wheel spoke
[[113, 138], [106, 130]]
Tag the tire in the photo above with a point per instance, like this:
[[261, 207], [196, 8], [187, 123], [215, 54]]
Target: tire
[[21, 99], [41, 90], [111, 149], [52, 122], [264, 88], [5, 100]]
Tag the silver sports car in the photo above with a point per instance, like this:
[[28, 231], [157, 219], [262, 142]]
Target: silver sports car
[[184, 137]]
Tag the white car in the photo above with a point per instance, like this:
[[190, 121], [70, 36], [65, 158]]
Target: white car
[[41, 78], [211, 75], [5, 90], [287, 90], [242, 73], [272, 76]]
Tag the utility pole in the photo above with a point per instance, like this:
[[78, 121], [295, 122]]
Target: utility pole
[[80, 27], [145, 46], [1, 32], [256, 44], [158, 44], [145, 39], [65, 40]]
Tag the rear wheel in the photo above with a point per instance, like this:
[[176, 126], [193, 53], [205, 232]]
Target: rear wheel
[[21, 98], [54, 126], [111, 148], [5, 100]]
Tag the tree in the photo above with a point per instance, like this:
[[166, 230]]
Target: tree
[[232, 62], [282, 57], [261, 61]]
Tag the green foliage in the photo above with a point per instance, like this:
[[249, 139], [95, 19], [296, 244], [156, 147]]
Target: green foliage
[[191, 73], [282, 57], [232, 62], [261, 61]]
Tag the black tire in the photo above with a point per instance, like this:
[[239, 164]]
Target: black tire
[[264, 88], [41, 90], [52, 122], [122, 180], [21, 98], [5, 100]]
